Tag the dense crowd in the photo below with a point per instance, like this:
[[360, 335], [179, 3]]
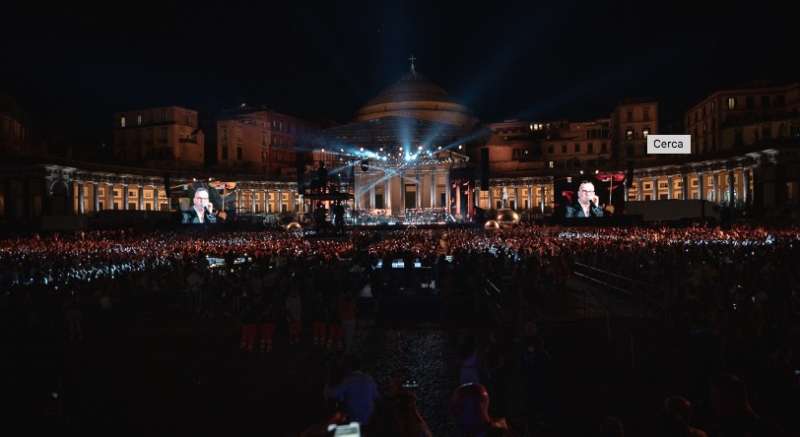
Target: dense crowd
[[740, 285]]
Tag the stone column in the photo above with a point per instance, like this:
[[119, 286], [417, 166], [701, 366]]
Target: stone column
[[530, 197], [253, 201], [433, 189], [504, 197], [265, 203], [714, 187], [685, 186], [372, 195], [95, 197], [541, 197], [447, 188], [731, 188], [387, 194], [639, 189], [701, 185], [418, 195], [669, 187], [279, 201], [491, 197], [125, 197], [81, 199], [458, 199], [109, 196], [140, 198], [746, 195]]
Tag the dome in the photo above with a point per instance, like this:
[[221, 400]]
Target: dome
[[417, 97]]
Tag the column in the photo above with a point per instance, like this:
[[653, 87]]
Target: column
[[685, 186], [81, 199], [669, 187], [491, 197], [714, 188], [504, 198], [639, 189], [433, 189], [372, 195], [157, 199], [418, 195], [356, 195], [109, 195], [541, 197], [387, 194], [290, 201], [458, 199], [95, 197], [253, 201], [279, 201], [265, 203], [746, 186], [530, 196], [447, 188], [140, 197], [701, 185], [731, 189], [125, 197]]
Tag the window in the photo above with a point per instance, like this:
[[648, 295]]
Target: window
[[629, 134], [563, 148], [139, 119], [577, 148], [603, 147], [646, 114], [122, 121], [550, 148], [780, 100], [552, 164], [765, 101], [590, 148], [749, 102], [238, 153], [630, 115], [731, 103], [163, 135], [224, 153]]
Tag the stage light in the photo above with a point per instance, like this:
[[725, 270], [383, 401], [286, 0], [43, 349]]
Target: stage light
[[460, 146], [362, 149], [419, 148], [596, 171], [440, 147], [381, 149], [323, 150]]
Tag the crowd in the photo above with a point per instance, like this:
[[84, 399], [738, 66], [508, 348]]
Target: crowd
[[738, 285]]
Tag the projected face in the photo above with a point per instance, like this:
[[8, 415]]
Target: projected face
[[586, 193], [201, 199]]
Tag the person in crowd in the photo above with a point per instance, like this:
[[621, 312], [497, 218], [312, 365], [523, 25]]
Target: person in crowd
[[347, 316], [294, 313], [469, 408], [676, 419], [735, 416], [398, 416], [357, 392]]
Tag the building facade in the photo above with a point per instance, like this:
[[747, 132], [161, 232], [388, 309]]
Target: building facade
[[260, 140], [166, 137]]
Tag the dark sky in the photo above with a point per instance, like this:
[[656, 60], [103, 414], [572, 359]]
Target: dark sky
[[71, 66]]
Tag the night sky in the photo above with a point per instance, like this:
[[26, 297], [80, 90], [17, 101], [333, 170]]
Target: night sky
[[71, 66]]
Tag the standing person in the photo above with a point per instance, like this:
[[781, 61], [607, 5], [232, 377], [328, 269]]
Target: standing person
[[294, 313], [319, 314], [357, 392], [347, 315], [268, 319], [335, 336], [249, 328]]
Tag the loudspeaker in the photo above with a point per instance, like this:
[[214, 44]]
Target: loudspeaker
[[484, 169]]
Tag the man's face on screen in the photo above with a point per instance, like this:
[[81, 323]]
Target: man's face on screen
[[585, 193], [200, 199]]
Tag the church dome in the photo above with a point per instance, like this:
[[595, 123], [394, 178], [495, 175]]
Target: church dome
[[417, 97]]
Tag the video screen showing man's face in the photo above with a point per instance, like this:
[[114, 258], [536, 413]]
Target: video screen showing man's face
[[202, 210]]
